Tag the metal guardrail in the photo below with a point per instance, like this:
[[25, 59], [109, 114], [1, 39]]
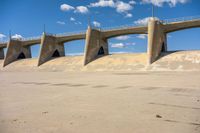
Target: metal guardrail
[[66, 34], [70, 33], [1, 42], [181, 19], [122, 27], [31, 38], [27, 39]]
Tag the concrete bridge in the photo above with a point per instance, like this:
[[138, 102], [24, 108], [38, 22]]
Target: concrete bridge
[[96, 44]]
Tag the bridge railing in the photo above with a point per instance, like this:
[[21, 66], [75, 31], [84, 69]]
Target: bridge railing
[[2, 42], [181, 19], [122, 27], [69, 33], [31, 38], [50, 34], [27, 39]]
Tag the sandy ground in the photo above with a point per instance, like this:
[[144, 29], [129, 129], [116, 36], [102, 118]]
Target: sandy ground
[[170, 61], [99, 102]]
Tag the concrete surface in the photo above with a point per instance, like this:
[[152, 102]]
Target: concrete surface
[[14, 49], [96, 45], [157, 40], [50, 45]]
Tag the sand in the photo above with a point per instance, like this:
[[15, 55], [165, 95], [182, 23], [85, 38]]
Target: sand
[[170, 61], [114, 94], [99, 102]]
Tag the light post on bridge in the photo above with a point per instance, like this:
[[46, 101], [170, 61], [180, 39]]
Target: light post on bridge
[[10, 35]]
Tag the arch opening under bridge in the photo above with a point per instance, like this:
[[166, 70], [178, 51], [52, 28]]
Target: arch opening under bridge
[[74, 47], [181, 40], [128, 43]]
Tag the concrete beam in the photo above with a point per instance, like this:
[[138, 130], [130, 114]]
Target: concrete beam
[[50, 48], [3, 45], [31, 42], [96, 45], [67, 38], [157, 40], [125, 31], [176, 26], [16, 51]]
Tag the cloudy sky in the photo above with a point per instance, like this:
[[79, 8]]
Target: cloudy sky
[[26, 18]]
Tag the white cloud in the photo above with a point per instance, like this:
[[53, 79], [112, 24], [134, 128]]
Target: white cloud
[[122, 45], [122, 7], [96, 24], [81, 9], [142, 36], [132, 2], [2, 36], [17, 36], [77, 22], [103, 3], [159, 3], [143, 21], [72, 19], [130, 44], [66, 7], [121, 52], [74, 54], [122, 38], [169, 36], [60, 22], [128, 15], [118, 45]]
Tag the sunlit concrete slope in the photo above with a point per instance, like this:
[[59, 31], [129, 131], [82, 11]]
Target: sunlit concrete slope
[[170, 61]]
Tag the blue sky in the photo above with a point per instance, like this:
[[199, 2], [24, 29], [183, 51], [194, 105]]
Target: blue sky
[[25, 18]]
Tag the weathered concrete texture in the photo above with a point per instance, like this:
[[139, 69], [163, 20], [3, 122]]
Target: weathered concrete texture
[[176, 26], [96, 45], [1, 53], [157, 41], [50, 48], [125, 31], [16, 51]]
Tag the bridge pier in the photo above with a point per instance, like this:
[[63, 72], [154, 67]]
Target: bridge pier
[[157, 40], [50, 48], [16, 51], [96, 45], [1, 53]]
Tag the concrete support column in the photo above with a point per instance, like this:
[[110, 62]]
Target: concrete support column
[[157, 40], [1, 53], [16, 51], [50, 48], [96, 45]]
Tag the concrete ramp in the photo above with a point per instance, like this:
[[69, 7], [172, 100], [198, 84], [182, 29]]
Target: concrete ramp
[[169, 61]]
